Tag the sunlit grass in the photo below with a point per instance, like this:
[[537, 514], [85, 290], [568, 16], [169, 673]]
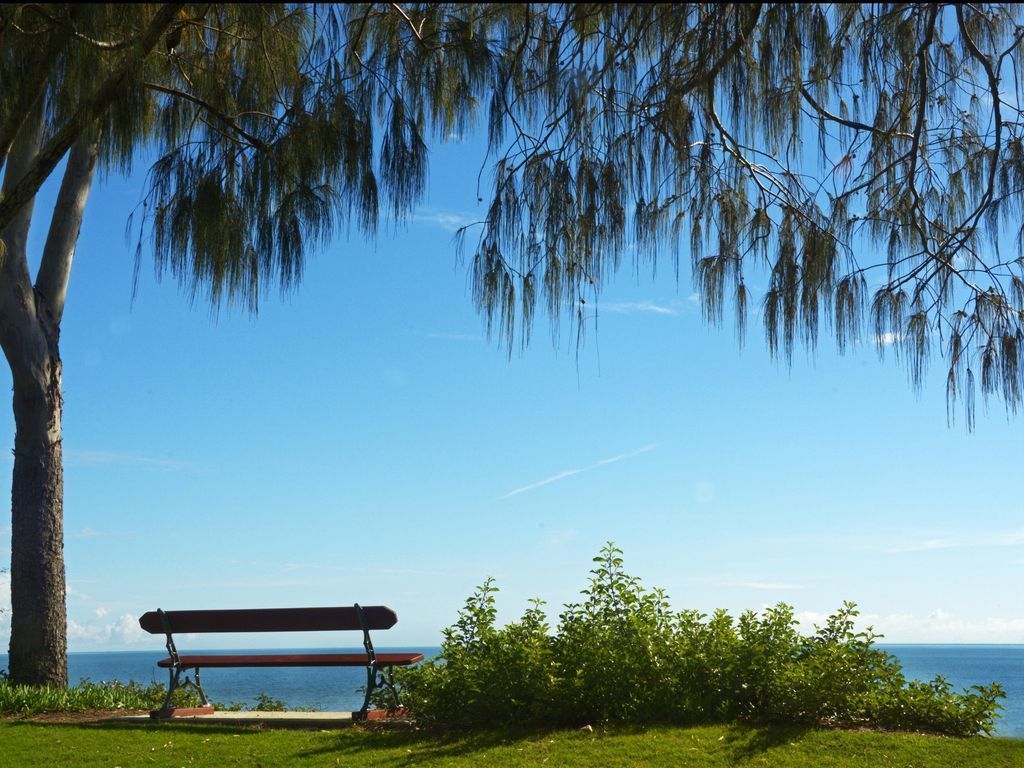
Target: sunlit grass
[[25, 743]]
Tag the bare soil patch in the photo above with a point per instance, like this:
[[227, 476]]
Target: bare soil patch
[[73, 718]]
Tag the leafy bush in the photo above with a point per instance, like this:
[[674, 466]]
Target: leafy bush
[[490, 676], [623, 655]]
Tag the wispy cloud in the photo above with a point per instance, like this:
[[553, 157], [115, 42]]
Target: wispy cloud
[[453, 336], [742, 583], [446, 220], [961, 540], [896, 541], [556, 539], [377, 570], [571, 472], [319, 571], [632, 307], [89, 533], [769, 585], [124, 459], [74, 592]]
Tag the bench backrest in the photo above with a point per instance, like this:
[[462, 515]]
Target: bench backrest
[[270, 620]]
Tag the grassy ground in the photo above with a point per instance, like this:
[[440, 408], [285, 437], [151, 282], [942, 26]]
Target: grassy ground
[[44, 744]]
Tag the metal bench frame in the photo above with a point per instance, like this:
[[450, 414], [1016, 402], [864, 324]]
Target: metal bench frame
[[377, 676]]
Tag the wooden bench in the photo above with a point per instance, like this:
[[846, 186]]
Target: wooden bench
[[379, 666]]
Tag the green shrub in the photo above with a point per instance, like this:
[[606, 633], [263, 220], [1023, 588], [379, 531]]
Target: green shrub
[[623, 655], [485, 676], [614, 651]]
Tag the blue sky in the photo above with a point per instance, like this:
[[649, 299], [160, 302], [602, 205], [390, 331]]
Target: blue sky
[[361, 441]]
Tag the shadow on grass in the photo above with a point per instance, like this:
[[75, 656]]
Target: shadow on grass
[[742, 743], [414, 747], [151, 727], [746, 742]]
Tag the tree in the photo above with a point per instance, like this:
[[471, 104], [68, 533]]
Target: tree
[[261, 149], [612, 130]]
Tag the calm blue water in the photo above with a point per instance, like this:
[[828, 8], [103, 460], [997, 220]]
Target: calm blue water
[[337, 689], [967, 665]]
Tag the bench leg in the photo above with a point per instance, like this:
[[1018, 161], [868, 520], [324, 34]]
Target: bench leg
[[379, 678], [203, 700], [172, 685], [175, 683], [389, 683], [371, 684]]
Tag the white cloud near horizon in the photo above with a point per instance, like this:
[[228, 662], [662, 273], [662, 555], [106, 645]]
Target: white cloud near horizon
[[572, 472], [5, 592], [939, 626], [124, 630]]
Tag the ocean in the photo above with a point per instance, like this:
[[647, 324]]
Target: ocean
[[330, 689]]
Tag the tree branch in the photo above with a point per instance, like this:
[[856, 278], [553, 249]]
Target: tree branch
[[112, 87], [708, 75], [31, 88], [59, 251], [226, 119], [105, 45], [849, 123], [19, 331]]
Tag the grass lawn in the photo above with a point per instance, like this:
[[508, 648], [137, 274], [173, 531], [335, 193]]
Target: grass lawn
[[30, 744]]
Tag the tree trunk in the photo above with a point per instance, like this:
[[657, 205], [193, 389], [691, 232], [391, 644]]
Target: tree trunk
[[38, 650], [29, 334]]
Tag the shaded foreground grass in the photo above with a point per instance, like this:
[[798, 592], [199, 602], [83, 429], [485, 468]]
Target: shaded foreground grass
[[25, 743]]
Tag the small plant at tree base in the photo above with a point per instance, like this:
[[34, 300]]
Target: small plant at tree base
[[27, 700], [266, 703], [623, 655], [32, 700]]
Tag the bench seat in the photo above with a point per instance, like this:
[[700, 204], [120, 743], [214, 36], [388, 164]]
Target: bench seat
[[225, 661]]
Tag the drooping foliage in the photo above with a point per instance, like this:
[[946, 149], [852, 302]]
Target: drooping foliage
[[864, 163]]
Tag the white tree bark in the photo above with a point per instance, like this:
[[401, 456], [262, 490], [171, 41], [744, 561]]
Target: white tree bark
[[59, 252]]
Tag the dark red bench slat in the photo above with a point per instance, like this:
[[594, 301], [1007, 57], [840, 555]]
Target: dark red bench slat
[[293, 660], [270, 620]]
